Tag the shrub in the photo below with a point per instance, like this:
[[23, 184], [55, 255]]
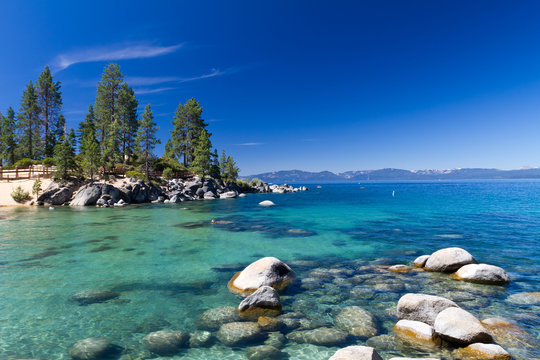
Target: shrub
[[255, 181], [24, 163], [48, 161], [135, 174], [20, 196], [166, 162], [36, 188], [244, 186], [168, 173]]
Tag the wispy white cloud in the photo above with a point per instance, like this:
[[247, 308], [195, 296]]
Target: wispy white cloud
[[111, 53], [152, 91], [251, 144], [155, 80]]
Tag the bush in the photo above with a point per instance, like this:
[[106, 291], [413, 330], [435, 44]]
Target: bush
[[20, 196], [24, 163], [168, 173], [244, 186], [36, 188], [255, 181], [135, 174], [166, 162], [48, 162]]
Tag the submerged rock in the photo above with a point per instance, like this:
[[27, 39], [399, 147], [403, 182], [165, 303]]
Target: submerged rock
[[356, 353], [449, 260], [422, 307], [200, 339], [265, 352], [165, 342], [270, 323], [356, 321], [482, 351], [238, 333], [268, 271], [400, 268], [88, 297], [417, 334], [525, 298], [460, 327], [483, 274], [212, 319], [93, 349], [265, 301], [421, 260], [267, 203], [321, 336]]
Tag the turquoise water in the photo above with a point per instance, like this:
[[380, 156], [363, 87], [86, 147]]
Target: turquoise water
[[170, 263]]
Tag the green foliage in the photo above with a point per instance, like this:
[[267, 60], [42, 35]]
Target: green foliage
[[8, 138], [202, 157], [49, 100], [89, 148], [244, 186], [168, 173], [255, 181], [146, 137], [48, 162], [64, 158], [187, 127], [36, 188], [166, 162], [229, 170], [29, 145], [127, 121], [135, 174], [24, 163], [20, 196]]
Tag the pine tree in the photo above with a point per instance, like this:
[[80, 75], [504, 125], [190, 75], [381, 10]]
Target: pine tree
[[169, 152], [64, 157], [146, 138], [201, 155], [214, 165], [2, 121], [229, 170], [106, 110], [29, 124], [127, 118], [188, 126], [87, 125], [49, 99], [9, 137], [57, 136], [89, 146]]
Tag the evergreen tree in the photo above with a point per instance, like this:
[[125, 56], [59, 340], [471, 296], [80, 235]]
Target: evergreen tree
[[229, 170], [106, 111], [169, 153], [202, 160], [146, 137], [2, 121], [9, 137], [187, 127], [29, 124], [64, 157], [89, 146], [214, 165], [49, 99], [57, 136], [127, 119]]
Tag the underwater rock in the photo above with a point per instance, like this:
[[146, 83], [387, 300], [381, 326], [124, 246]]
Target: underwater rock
[[267, 203], [269, 323], [421, 260], [88, 297], [268, 271], [263, 302], [407, 358], [482, 351], [212, 319], [356, 353], [356, 321], [383, 342], [508, 334], [238, 333], [482, 274], [200, 339], [449, 260], [324, 336], [150, 324], [525, 298], [417, 333], [165, 342], [460, 327], [93, 349], [264, 352], [400, 268], [275, 339], [422, 307]]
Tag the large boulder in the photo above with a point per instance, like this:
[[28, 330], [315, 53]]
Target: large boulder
[[356, 321], [87, 297], [263, 302], [165, 342], [421, 260], [460, 327], [212, 319], [417, 333], [482, 351], [228, 195], [483, 274], [239, 333], [268, 271], [57, 193], [93, 349], [356, 353], [91, 193], [321, 336], [448, 260], [422, 307]]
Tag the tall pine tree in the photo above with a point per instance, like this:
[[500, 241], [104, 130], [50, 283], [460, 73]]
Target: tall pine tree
[[29, 145], [64, 157], [49, 99], [229, 170], [146, 138], [9, 137], [187, 127], [127, 119], [89, 146], [202, 156]]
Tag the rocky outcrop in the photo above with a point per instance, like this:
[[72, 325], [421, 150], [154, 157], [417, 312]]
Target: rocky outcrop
[[482, 274], [263, 302], [238, 333], [165, 342], [324, 336], [356, 321], [268, 271], [460, 327], [417, 333], [482, 351], [57, 193], [449, 260], [92, 193], [422, 307], [356, 353], [93, 349]]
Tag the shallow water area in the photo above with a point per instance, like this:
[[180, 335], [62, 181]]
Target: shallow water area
[[169, 263]]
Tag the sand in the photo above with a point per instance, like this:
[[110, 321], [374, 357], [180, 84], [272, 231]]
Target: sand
[[6, 188]]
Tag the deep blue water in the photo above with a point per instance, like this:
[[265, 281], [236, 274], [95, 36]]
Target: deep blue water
[[170, 263]]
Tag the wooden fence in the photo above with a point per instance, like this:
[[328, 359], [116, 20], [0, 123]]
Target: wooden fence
[[32, 172]]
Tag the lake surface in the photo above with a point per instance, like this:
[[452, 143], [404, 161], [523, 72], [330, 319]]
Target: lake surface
[[170, 263]]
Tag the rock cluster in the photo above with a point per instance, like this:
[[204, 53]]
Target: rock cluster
[[281, 189]]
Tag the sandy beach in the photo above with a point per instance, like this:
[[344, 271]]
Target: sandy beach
[[6, 188]]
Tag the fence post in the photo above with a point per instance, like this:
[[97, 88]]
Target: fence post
[[16, 173]]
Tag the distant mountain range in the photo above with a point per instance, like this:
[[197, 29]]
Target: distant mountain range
[[299, 176]]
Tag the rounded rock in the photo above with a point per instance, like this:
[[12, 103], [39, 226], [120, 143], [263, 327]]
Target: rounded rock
[[356, 353], [212, 319], [268, 271], [400, 268], [321, 336], [267, 203], [422, 307], [482, 351], [264, 352], [356, 321], [421, 261], [87, 297], [263, 302], [92, 349], [238, 333], [460, 327], [165, 342], [482, 274], [449, 260], [417, 334]]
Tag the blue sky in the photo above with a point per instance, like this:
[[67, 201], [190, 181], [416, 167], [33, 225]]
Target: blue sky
[[311, 85]]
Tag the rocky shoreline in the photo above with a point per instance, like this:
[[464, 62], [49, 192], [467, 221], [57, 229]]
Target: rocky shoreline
[[132, 191]]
